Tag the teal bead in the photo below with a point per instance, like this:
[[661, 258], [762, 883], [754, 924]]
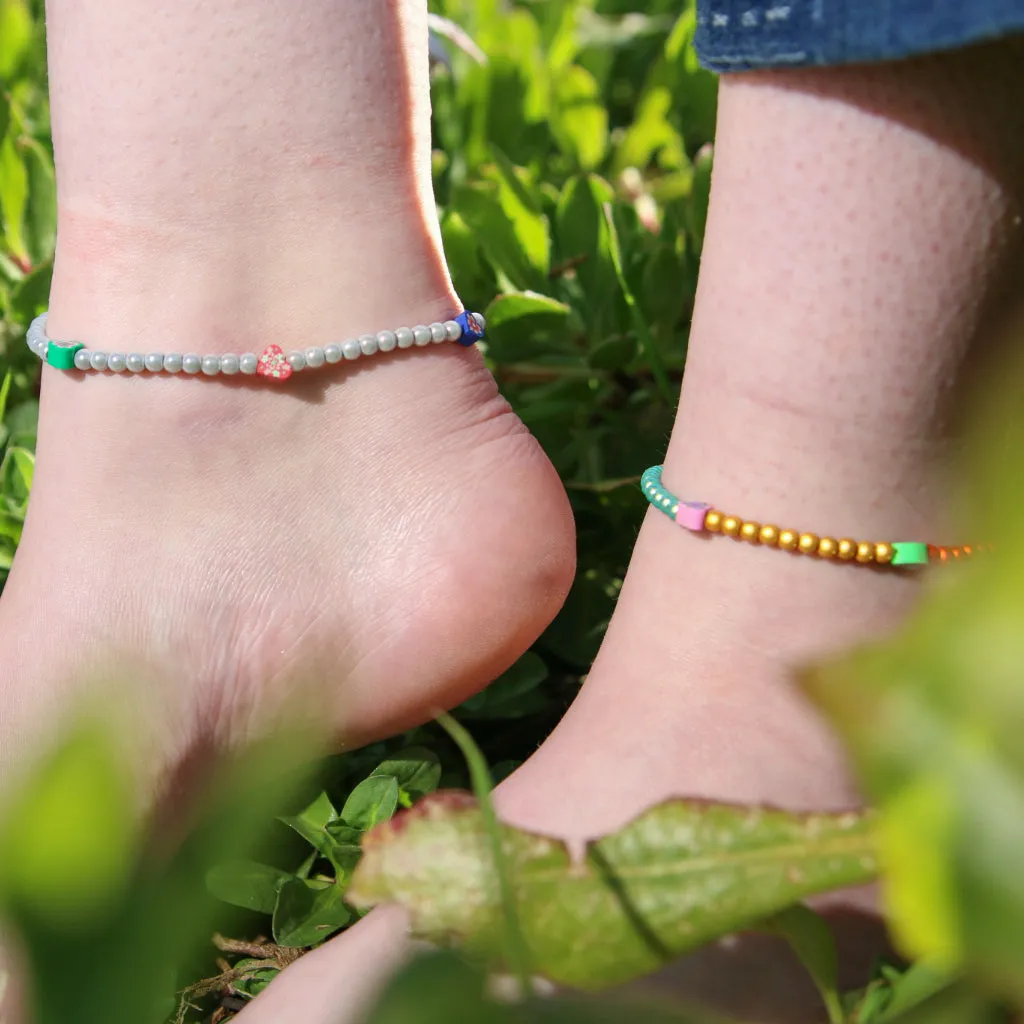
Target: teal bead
[[909, 553], [62, 356]]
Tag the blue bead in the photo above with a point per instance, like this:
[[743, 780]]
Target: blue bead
[[472, 325]]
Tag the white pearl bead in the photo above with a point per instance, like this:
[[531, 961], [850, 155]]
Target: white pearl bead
[[135, 361], [351, 349], [315, 357], [386, 341], [211, 365], [98, 360], [421, 335], [248, 362], [116, 362], [191, 363], [405, 337], [368, 344], [155, 362], [82, 360], [172, 362], [438, 333], [333, 353], [296, 360], [453, 330], [229, 365]]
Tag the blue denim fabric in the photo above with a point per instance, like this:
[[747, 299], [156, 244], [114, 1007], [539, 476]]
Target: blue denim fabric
[[736, 35]]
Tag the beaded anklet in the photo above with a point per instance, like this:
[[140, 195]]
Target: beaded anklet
[[701, 517], [466, 329]]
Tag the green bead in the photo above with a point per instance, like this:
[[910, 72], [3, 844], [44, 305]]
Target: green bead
[[62, 356], [909, 553]]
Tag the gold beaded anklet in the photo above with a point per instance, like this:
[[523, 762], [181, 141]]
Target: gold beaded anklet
[[699, 517]]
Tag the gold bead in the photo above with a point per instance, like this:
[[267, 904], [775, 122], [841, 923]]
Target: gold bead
[[788, 540], [731, 526], [808, 543], [769, 535], [713, 521], [827, 548], [883, 553], [846, 549], [865, 552], [751, 532]]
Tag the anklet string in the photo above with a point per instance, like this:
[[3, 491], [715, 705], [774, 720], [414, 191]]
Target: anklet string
[[273, 364], [700, 517]]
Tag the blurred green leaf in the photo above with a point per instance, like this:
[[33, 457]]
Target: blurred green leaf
[[30, 294], [16, 27], [13, 197], [679, 875], [247, 884], [374, 800], [647, 343], [307, 912], [583, 237], [579, 120], [613, 354], [41, 213], [68, 842], [16, 472]]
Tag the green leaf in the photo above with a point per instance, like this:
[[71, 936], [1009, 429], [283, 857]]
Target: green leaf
[[15, 38], [374, 800], [504, 697], [920, 982], [5, 390], [257, 977], [311, 823], [29, 296], [652, 135], [583, 235], [579, 120], [16, 473], [521, 324], [613, 354], [13, 197], [679, 875], [812, 941], [508, 224], [41, 219], [417, 771], [246, 884], [647, 342], [308, 912], [344, 849]]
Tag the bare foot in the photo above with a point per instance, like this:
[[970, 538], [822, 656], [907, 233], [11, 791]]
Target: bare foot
[[381, 538]]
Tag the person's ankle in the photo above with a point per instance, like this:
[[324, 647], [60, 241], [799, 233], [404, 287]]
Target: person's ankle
[[290, 278]]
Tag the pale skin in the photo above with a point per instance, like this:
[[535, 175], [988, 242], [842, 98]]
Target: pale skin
[[262, 171]]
